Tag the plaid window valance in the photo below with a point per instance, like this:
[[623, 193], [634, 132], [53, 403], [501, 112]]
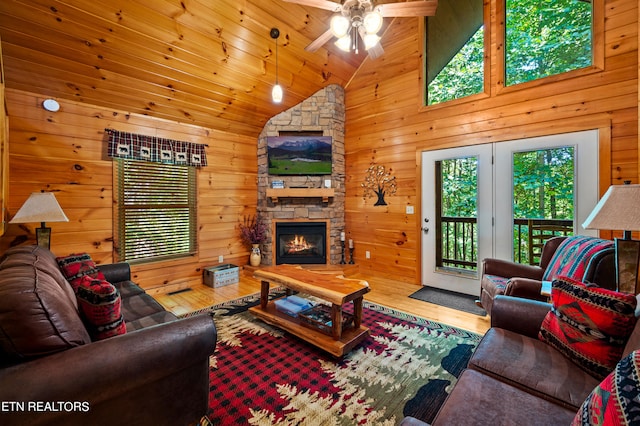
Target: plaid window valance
[[158, 150]]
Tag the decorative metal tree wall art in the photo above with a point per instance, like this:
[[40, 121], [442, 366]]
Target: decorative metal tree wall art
[[380, 182]]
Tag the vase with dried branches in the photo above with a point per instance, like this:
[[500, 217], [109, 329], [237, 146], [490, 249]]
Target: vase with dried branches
[[253, 232]]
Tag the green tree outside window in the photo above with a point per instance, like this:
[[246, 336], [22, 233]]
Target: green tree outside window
[[547, 37]]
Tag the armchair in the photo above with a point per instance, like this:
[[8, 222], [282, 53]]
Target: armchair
[[588, 259]]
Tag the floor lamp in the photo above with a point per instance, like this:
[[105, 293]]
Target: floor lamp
[[41, 207], [619, 209]]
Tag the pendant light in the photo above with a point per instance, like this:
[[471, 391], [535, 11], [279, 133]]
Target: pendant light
[[276, 92]]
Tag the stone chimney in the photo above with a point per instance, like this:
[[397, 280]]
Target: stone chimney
[[324, 112]]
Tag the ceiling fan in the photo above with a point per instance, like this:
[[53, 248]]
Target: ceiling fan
[[358, 21]]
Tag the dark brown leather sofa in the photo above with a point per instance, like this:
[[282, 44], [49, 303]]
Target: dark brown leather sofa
[[155, 374], [513, 378]]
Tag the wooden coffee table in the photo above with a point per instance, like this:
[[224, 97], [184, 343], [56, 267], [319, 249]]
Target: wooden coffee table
[[334, 289]]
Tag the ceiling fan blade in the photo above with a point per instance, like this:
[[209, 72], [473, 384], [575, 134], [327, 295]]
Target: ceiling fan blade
[[320, 4], [317, 43], [410, 8]]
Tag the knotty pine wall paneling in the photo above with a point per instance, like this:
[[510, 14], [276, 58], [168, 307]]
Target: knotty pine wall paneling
[[386, 124], [65, 152]]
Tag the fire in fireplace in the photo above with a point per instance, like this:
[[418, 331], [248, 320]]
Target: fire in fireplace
[[301, 242]]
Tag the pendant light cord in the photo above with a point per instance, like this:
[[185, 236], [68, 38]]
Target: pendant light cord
[[276, 92]]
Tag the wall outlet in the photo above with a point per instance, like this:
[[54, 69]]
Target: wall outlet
[[367, 254], [220, 259], [409, 209]]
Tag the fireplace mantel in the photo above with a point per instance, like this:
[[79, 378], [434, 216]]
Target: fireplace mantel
[[324, 193]]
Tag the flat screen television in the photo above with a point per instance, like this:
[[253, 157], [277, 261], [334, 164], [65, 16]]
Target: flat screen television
[[299, 155]]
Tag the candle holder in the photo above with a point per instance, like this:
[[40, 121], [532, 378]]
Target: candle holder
[[342, 260], [351, 262]]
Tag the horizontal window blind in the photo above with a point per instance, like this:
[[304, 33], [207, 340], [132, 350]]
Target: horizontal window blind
[[156, 211]]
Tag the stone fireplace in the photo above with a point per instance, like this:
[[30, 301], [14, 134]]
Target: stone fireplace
[[313, 199]]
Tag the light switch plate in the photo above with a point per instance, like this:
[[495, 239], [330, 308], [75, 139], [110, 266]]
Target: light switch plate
[[220, 259], [409, 209]]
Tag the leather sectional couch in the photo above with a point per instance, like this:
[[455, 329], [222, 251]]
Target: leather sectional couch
[[52, 373], [513, 378]]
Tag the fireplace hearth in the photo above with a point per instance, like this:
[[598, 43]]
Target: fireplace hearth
[[301, 243]]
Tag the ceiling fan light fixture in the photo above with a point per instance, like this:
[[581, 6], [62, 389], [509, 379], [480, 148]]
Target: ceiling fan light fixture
[[363, 17], [340, 25], [344, 43], [372, 21]]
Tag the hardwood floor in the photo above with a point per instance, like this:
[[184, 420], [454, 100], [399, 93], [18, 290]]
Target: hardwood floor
[[385, 292]]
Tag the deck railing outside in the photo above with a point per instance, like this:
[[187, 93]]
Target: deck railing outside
[[456, 246], [531, 234]]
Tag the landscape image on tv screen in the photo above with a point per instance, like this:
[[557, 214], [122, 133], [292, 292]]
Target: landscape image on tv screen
[[299, 155]]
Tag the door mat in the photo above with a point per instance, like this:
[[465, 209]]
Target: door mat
[[449, 299]]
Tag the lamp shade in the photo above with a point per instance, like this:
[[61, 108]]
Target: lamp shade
[[344, 43], [340, 25], [372, 21], [40, 207], [618, 209], [370, 40]]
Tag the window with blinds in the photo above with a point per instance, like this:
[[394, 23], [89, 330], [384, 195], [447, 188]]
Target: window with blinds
[[156, 211]]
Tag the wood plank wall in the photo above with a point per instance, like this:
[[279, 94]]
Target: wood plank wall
[[385, 124], [65, 152]]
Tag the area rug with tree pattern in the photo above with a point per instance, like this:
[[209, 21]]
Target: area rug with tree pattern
[[261, 375]]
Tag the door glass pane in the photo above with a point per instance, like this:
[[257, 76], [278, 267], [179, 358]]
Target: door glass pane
[[543, 199], [456, 214]]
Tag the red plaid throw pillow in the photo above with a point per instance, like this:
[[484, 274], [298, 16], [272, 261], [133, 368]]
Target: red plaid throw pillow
[[589, 325], [100, 304]]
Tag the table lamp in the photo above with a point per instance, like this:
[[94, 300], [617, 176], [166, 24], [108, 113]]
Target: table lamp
[[41, 207], [619, 209]]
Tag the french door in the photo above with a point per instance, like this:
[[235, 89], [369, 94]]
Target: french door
[[457, 208], [475, 201]]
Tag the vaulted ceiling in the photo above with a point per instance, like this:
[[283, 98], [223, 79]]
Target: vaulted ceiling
[[206, 62]]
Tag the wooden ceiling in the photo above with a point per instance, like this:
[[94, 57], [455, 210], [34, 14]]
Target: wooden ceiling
[[206, 62]]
